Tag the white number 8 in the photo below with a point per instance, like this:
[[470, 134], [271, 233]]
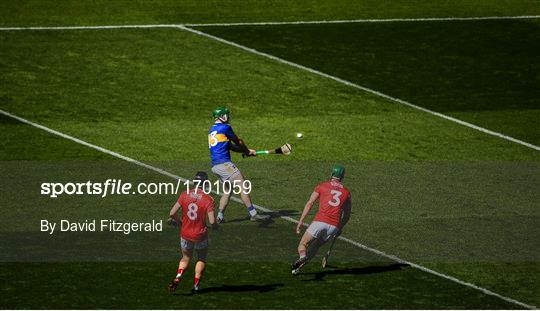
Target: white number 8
[[192, 211], [212, 139], [335, 200]]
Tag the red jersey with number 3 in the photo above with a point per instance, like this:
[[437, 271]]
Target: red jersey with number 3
[[332, 197], [195, 206]]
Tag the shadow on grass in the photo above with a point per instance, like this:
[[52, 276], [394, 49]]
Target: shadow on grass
[[282, 213], [238, 288], [270, 220], [319, 276], [7, 120]]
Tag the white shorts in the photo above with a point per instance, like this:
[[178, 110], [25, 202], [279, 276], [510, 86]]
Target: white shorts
[[186, 244], [225, 171], [322, 230]]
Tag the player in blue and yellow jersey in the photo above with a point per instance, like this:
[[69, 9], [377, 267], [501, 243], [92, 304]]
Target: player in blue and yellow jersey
[[221, 140]]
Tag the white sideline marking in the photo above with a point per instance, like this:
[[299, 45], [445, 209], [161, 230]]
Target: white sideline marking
[[264, 209], [365, 89], [320, 73], [90, 27], [82, 142], [371, 20]]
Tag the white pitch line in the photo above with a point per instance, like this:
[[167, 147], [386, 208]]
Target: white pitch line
[[90, 27], [365, 89], [267, 210], [314, 71], [345, 21], [87, 144], [371, 20]]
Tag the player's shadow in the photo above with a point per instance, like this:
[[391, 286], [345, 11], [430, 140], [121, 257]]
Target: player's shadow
[[262, 223], [282, 213], [319, 276], [239, 288], [240, 219], [271, 216], [276, 214]]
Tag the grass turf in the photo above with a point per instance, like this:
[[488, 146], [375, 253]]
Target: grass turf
[[72, 12], [425, 189], [125, 77], [232, 286], [134, 270], [483, 72]]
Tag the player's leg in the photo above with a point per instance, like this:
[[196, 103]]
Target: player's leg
[[224, 172], [184, 262], [238, 179], [187, 253], [331, 233], [202, 251], [311, 241], [223, 203], [314, 247], [305, 242], [232, 177], [314, 237], [324, 232]]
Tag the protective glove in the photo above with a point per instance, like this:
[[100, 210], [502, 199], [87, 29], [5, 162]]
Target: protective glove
[[172, 222]]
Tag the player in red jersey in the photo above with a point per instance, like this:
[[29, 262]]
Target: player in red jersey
[[334, 212], [196, 207]]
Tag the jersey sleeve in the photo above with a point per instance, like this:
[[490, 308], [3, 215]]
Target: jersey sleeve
[[181, 198], [318, 189], [228, 131]]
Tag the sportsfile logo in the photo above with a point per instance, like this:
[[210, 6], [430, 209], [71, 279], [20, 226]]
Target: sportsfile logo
[[119, 187], [109, 187]]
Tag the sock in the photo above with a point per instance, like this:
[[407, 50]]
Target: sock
[[302, 254], [252, 211], [220, 214], [179, 273], [196, 281]]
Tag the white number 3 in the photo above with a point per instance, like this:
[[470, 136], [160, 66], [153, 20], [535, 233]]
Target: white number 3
[[335, 200], [212, 139], [192, 211]]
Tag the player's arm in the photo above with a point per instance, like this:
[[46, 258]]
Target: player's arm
[[212, 217], [307, 208], [238, 145], [173, 215], [346, 214]]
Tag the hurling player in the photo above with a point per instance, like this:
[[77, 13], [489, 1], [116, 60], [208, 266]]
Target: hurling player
[[195, 206], [221, 140], [334, 212]]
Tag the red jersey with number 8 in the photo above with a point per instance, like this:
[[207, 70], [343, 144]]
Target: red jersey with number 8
[[195, 205], [332, 197]]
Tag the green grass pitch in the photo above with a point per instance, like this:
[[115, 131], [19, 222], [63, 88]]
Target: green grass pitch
[[427, 190]]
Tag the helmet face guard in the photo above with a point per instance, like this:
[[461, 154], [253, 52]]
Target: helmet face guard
[[338, 171], [224, 118]]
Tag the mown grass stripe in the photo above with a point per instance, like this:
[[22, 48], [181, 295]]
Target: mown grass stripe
[[365, 89]]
